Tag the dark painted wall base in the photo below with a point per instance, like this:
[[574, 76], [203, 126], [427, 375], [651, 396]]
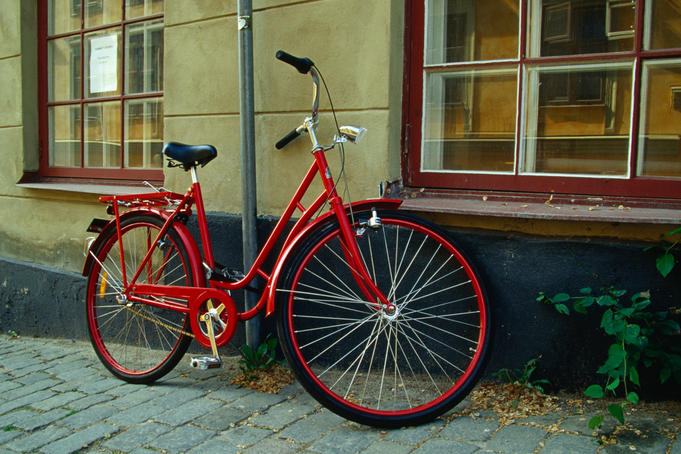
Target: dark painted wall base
[[45, 302]]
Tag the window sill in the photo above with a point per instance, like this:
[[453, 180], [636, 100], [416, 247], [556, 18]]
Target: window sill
[[543, 206], [86, 187]]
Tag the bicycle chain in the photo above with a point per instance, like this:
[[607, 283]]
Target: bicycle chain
[[158, 322]]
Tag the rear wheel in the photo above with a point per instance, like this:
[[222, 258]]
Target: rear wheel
[[369, 365], [137, 342]]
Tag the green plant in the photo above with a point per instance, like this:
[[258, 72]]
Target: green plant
[[641, 338], [12, 334], [261, 358], [522, 376], [665, 262]]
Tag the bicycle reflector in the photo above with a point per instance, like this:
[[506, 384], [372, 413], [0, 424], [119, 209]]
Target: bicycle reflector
[[353, 133]]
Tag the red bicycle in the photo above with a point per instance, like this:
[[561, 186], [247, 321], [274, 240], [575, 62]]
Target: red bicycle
[[380, 315]]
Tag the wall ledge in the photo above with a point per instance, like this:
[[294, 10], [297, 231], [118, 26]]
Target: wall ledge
[[543, 206]]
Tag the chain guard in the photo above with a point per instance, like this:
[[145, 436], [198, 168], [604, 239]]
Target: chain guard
[[224, 317]]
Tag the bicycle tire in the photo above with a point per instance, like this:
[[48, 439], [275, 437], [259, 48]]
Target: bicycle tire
[[344, 351], [137, 342]]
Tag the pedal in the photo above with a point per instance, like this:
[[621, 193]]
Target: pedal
[[206, 362]]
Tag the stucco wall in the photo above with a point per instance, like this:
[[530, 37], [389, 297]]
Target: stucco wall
[[351, 41], [40, 226]]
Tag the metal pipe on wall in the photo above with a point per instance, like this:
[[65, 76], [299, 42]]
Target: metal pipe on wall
[[248, 181]]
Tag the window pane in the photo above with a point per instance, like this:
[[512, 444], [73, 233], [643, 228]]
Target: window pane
[[144, 57], [102, 12], [468, 30], [144, 133], [63, 69], [103, 134], [581, 27], [663, 24], [578, 120], [63, 16], [470, 121], [660, 131], [102, 63], [139, 8], [64, 136]]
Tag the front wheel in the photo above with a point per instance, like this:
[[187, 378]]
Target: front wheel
[[371, 366]]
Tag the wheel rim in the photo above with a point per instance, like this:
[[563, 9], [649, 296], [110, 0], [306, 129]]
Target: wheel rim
[[135, 339], [380, 363]]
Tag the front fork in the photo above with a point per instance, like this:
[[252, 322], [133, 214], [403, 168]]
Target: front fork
[[354, 259]]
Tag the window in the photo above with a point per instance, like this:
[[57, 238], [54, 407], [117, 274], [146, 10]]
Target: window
[[101, 89], [577, 96]]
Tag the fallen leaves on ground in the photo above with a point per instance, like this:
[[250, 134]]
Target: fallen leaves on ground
[[269, 380], [512, 401]]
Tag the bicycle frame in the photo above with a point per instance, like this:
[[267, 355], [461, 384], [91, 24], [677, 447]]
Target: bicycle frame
[[193, 196], [218, 289]]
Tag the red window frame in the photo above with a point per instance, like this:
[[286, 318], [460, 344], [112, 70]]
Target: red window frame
[[108, 175], [413, 88]]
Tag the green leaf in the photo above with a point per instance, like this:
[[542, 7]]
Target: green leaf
[[561, 298], [607, 322], [606, 300], [627, 312], [665, 264], [596, 421], [631, 334], [632, 397], [674, 232], [617, 412], [613, 386], [665, 373], [633, 376], [594, 391], [585, 291], [562, 309], [616, 356], [582, 303], [641, 304]]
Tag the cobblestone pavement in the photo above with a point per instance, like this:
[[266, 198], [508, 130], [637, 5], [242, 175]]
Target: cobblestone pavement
[[55, 397]]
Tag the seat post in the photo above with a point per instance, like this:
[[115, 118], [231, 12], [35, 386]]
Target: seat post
[[195, 176]]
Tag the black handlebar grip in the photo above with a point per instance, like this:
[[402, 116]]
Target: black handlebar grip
[[303, 65], [287, 139]]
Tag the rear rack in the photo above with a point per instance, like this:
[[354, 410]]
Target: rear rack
[[156, 199]]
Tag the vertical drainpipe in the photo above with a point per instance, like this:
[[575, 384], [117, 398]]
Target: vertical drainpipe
[[248, 186]]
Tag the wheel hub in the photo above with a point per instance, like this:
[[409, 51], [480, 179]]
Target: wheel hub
[[390, 313]]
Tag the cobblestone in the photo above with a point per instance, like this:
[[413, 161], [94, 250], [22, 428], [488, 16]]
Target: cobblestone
[[55, 398]]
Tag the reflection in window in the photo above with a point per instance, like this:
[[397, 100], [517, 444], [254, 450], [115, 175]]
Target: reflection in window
[[102, 135], [144, 57], [144, 134], [64, 133], [578, 120], [663, 25], [470, 121], [581, 27], [660, 130], [468, 30]]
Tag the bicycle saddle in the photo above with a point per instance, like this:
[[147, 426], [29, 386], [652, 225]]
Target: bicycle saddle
[[189, 156]]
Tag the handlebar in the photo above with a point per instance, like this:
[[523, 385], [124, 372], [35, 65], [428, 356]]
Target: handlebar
[[304, 66]]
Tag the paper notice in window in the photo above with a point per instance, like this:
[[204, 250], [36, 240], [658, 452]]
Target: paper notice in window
[[104, 64]]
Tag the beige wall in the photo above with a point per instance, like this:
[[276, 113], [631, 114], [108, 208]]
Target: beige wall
[[353, 43], [356, 43]]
